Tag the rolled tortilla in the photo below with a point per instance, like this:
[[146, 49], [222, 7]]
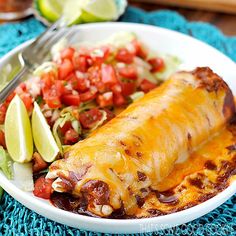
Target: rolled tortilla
[[120, 163]]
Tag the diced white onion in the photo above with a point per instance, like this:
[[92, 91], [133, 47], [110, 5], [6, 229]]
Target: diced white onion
[[55, 115], [120, 65], [80, 74], [74, 92], [130, 47], [33, 86], [97, 53], [107, 95], [47, 113]]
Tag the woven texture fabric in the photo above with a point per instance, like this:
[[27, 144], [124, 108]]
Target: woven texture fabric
[[15, 219]]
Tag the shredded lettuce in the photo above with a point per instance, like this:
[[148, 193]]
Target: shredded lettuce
[[87, 106], [171, 65], [100, 122], [65, 116], [144, 73], [45, 171], [76, 126], [137, 95], [39, 99], [119, 39], [6, 163], [143, 69], [45, 68], [56, 134], [1, 193], [24, 174]]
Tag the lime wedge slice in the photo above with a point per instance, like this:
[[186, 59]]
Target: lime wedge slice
[[50, 9], [43, 138], [98, 10], [18, 134], [72, 12]]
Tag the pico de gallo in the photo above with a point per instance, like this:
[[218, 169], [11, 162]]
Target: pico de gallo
[[83, 87]]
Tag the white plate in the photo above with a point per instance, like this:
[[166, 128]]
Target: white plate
[[193, 53]]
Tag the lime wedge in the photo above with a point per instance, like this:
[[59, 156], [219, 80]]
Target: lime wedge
[[77, 11], [50, 9], [98, 10], [43, 138], [18, 132], [72, 12]]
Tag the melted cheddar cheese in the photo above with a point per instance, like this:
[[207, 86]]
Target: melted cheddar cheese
[[207, 171], [136, 152]]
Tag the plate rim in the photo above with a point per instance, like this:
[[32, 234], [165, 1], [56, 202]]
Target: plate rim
[[42, 207]]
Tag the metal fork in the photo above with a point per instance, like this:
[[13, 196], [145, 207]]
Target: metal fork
[[35, 53]]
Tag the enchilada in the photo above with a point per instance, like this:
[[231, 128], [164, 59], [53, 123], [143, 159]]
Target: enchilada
[[122, 163]]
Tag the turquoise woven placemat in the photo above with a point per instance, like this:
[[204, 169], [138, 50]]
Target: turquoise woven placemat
[[15, 219]]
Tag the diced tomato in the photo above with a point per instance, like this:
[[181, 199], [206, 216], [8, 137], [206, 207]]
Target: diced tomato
[[52, 97], [67, 53], [27, 100], [3, 110], [124, 55], [53, 102], [72, 79], [80, 63], [80, 84], [110, 114], [71, 99], [139, 50], [101, 87], [83, 84], [116, 89], [10, 97], [43, 187], [128, 72], [94, 76], [38, 163], [108, 75], [89, 95], [128, 88], [118, 99], [147, 85], [84, 51], [47, 80], [157, 64], [65, 68], [60, 86], [105, 99], [66, 127], [99, 59], [2, 139], [23, 86], [71, 137], [106, 51], [52, 92], [89, 118]]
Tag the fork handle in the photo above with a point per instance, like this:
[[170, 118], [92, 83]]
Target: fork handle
[[10, 87]]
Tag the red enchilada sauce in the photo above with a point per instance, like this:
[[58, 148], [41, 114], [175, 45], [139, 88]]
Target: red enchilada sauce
[[214, 161]]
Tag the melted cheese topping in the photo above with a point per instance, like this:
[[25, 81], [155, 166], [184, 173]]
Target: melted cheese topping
[[202, 176], [149, 137]]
